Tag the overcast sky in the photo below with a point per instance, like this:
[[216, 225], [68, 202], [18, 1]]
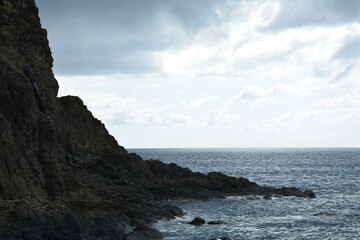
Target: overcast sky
[[212, 73]]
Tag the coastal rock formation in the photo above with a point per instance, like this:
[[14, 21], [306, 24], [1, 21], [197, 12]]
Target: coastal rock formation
[[62, 175], [197, 221], [144, 233]]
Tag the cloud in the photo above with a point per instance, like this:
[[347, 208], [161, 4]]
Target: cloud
[[295, 14], [278, 125], [308, 125], [339, 73], [99, 37], [217, 116], [119, 111], [115, 110], [199, 65], [345, 101], [350, 50], [175, 119], [194, 37], [257, 94], [201, 101]]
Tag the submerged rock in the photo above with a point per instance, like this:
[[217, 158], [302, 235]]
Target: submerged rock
[[217, 222], [325, 214], [197, 221], [222, 238]]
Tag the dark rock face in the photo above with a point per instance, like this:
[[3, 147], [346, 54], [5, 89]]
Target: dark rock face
[[267, 196], [58, 222], [197, 221], [144, 233], [62, 176]]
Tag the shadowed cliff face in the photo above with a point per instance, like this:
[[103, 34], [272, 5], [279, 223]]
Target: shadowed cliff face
[[38, 130], [58, 164], [27, 96]]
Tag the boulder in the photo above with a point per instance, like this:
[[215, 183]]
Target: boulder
[[176, 211], [292, 191], [197, 221], [309, 194]]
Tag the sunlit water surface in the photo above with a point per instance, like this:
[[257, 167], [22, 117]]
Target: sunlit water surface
[[333, 173]]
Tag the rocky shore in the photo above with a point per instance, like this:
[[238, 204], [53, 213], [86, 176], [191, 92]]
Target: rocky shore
[[62, 175]]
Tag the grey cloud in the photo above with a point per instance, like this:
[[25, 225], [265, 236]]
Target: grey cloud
[[119, 35], [343, 74], [248, 94], [293, 14], [102, 59], [351, 49]]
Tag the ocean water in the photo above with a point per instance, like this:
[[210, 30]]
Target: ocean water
[[333, 173]]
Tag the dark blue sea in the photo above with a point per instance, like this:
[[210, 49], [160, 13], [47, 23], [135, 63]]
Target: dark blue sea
[[333, 173]]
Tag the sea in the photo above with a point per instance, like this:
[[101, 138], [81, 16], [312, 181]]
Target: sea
[[333, 173]]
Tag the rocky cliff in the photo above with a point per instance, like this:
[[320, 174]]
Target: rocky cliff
[[62, 176]]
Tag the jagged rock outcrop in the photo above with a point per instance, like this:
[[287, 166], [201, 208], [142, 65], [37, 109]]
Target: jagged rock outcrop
[[62, 176]]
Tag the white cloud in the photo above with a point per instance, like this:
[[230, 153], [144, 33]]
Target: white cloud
[[215, 117], [265, 14], [257, 94], [298, 14], [344, 102], [201, 101], [251, 69], [309, 128], [115, 110], [175, 119]]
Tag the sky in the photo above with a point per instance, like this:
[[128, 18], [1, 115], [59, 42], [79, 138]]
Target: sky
[[211, 73]]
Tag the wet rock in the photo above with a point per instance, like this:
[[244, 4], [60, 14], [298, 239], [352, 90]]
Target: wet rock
[[267, 196], [292, 191], [144, 233], [277, 195], [197, 221], [252, 198], [176, 211], [216, 222], [329, 214], [222, 238], [309, 194]]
